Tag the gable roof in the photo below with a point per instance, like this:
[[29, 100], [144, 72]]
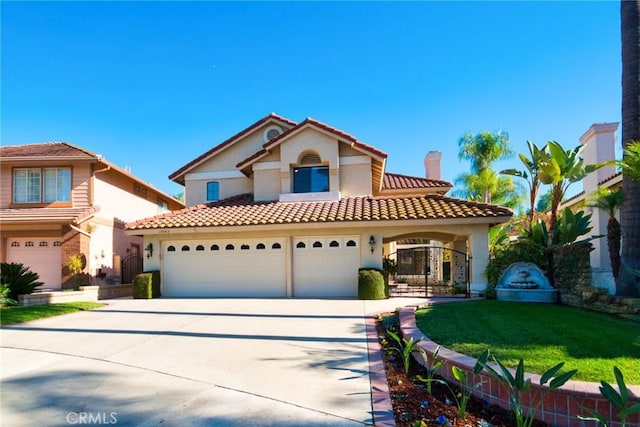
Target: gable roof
[[178, 176], [404, 183], [243, 211]]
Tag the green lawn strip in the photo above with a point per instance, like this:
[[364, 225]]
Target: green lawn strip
[[541, 334], [19, 314]]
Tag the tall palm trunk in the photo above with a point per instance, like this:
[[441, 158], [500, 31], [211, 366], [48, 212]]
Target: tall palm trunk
[[628, 283], [613, 243]]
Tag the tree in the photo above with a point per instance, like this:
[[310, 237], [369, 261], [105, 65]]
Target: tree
[[628, 283], [544, 202], [610, 201], [560, 168], [531, 174], [483, 183], [75, 266]]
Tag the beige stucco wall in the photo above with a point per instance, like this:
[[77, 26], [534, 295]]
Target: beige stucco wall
[[196, 189], [266, 183], [309, 140], [355, 179]]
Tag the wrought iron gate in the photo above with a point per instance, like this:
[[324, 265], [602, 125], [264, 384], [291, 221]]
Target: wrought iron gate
[[130, 266], [428, 271]]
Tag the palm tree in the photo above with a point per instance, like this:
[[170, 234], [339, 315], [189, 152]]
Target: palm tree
[[628, 283], [560, 168], [610, 201], [482, 149], [531, 175]]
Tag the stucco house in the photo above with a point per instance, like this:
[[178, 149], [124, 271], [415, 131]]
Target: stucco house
[[58, 200], [294, 209]]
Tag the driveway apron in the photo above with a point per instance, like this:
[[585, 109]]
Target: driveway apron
[[262, 362]]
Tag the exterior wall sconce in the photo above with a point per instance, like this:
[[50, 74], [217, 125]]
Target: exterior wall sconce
[[372, 243], [148, 251]]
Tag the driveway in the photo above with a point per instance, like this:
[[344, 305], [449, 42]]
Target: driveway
[[261, 362]]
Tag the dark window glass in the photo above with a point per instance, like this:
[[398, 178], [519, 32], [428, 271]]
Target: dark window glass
[[186, 248], [260, 246], [334, 244], [215, 247], [301, 245], [317, 244], [276, 246], [199, 248], [244, 247], [171, 249], [351, 243], [314, 179], [229, 247]]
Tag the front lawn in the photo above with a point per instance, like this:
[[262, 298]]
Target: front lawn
[[19, 314], [541, 334]]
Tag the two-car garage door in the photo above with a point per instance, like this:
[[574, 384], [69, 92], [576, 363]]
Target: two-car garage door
[[322, 267], [225, 268]]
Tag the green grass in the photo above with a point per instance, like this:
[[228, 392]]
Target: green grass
[[541, 334], [19, 314]]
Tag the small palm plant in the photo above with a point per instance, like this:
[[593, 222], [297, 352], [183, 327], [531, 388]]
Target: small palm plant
[[620, 399], [19, 279], [610, 201]]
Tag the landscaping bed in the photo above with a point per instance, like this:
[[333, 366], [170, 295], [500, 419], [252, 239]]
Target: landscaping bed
[[414, 406]]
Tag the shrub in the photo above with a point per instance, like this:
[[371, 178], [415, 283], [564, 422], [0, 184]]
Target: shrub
[[572, 267], [75, 266], [19, 279], [155, 283], [143, 286], [522, 250], [4, 297], [371, 284]]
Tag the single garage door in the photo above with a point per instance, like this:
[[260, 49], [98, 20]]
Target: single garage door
[[41, 255], [326, 267], [224, 268]]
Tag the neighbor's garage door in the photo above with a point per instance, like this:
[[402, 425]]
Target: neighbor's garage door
[[41, 255], [224, 268], [326, 267]]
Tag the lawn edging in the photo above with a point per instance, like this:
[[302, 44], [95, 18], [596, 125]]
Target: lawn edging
[[382, 409], [559, 407]]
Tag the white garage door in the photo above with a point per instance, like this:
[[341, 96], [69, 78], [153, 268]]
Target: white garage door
[[326, 267], [41, 255], [224, 268]]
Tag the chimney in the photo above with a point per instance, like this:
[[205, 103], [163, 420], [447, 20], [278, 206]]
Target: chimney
[[432, 165], [598, 146]]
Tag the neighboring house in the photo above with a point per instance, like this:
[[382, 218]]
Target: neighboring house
[[58, 200], [599, 146], [286, 209]]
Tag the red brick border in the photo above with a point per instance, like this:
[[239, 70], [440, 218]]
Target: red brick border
[[560, 407]]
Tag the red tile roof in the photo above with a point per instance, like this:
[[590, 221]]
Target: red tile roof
[[46, 149], [243, 211], [178, 176], [43, 215], [396, 181]]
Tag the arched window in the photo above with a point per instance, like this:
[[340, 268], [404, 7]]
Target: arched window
[[215, 247], [244, 247], [276, 246], [310, 158], [199, 248], [334, 244], [171, 248], [260, 246], [317, 244], [186, 248], [351, 243], [301, 245], [229, 247]]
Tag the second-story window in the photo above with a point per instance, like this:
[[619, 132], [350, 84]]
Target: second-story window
[[311, 179], [46, 185], [213, 191]]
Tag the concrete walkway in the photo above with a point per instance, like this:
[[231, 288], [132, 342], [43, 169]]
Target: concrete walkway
[[197, 362]]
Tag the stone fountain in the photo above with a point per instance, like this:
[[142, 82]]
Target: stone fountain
[[525, 281]]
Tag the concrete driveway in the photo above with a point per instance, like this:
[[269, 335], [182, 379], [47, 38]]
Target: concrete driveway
[[192, 362]]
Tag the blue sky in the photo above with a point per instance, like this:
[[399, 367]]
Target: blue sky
[[152, 85]]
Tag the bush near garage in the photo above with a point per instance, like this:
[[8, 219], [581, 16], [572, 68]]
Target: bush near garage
[[146, 285], [371, 284], [19, 279]]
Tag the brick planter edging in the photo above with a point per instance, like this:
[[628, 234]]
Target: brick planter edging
[[382, 410], [560, 407]]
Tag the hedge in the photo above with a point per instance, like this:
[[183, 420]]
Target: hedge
[[371, 284], [147, 285]]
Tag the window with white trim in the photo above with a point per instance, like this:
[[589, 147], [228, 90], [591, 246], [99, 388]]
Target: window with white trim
[[41, 185]]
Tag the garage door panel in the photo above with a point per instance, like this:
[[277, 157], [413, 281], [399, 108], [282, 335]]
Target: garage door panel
[[41, 255], [225, 268], [326, 267]]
